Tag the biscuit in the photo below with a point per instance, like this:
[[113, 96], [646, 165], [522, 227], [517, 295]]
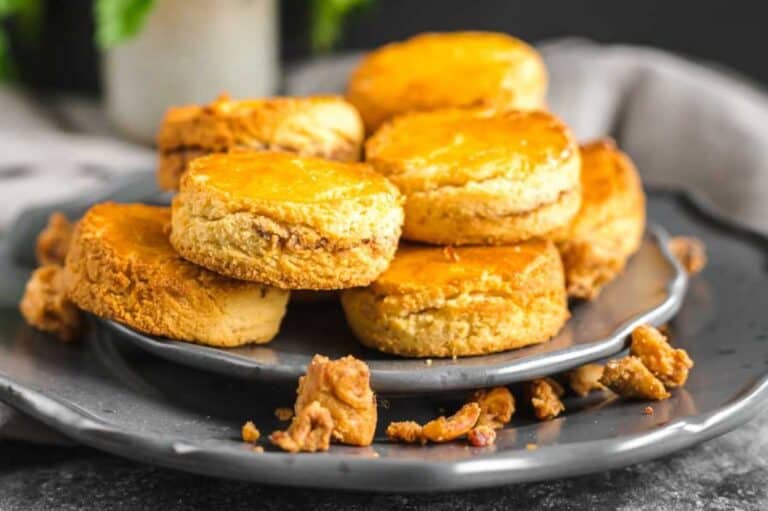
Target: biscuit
[[323, 126], [442, 302], [609, 226], [447, 70], [290, 221], [472, 178], [121, 266]]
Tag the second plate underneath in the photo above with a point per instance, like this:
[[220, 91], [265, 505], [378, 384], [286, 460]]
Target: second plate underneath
[[650, 290]]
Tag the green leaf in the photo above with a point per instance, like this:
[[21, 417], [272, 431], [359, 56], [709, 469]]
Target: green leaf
[[119, 20], [328, 21], [6, 66]]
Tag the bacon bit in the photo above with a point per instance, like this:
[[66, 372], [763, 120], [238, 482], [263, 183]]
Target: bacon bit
[[250, 433]]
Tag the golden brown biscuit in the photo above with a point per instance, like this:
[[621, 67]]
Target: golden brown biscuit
[[448, 70], [433, 302], [609, 226], [121, 266], [323, 126], [474, 178], [290, 221]]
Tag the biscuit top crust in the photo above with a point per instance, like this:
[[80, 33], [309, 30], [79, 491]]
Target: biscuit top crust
[[454, 69], [138, 234], [430, 273], [611, 187], [427, 151], [273, 177], [291, 122]]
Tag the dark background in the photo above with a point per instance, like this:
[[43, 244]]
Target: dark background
[[732, 33]]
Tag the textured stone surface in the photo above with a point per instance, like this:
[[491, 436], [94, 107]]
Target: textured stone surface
[[727, 473]]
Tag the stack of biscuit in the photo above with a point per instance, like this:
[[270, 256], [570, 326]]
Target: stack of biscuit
[[502, 214]]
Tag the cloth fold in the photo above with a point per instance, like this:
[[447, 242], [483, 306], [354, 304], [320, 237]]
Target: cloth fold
[[685, 124]]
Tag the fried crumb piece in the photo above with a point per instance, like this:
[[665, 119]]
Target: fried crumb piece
[[46, 307], [545, 395], [283, 414], [310, 430], [459, 424], [531, 447], [629, 378], [481, 436], [585, 379], [648, 410], [408, 432], [690, 251], [666, 363], [497, 406], [343, 387], [450, 253], [250, 433], [257, 449], [53, 241]]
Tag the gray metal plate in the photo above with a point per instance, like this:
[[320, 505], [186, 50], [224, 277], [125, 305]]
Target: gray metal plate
[[597, 329], [110, 395]]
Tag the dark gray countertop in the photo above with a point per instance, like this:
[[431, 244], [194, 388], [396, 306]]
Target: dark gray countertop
[[730, 472]]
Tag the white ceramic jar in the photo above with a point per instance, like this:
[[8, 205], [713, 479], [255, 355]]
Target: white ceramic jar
[[189, 51]]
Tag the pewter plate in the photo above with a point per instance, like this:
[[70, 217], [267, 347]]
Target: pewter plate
[[649, 291], [108, 394]]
